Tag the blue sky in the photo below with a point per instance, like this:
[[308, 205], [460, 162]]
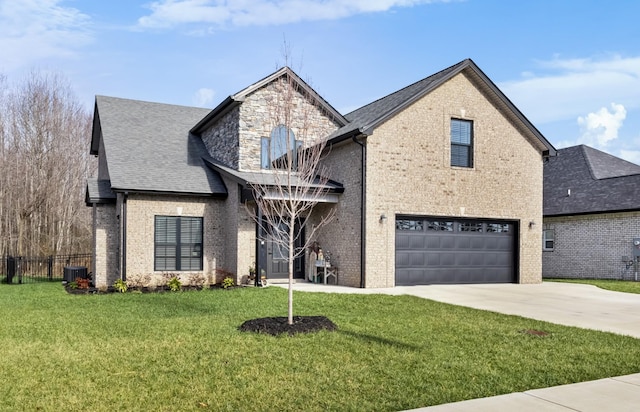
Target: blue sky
[[572, 67]]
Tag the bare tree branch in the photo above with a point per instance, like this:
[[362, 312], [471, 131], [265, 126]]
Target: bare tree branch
[[295, 182]]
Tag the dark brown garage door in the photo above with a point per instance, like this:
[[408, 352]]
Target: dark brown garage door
[[438, 250]]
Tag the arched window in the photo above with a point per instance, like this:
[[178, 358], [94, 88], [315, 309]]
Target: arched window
[[276, 147]]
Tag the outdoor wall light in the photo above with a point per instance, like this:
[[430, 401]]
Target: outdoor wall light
[[532, 224], [383, 218]]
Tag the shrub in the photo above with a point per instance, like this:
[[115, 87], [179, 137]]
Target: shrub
[[227, 282], [221, 274], [120, 285], [174, 284], [82, 283]]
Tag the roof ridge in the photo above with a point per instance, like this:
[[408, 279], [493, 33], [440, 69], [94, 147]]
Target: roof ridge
[[410, 85], [149, 102], [604, 165], [586, 159]]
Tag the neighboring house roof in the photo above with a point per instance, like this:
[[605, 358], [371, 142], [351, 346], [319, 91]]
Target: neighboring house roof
[[148, 147], [236, 99], [99, 191], [583, 180], [365, 119]]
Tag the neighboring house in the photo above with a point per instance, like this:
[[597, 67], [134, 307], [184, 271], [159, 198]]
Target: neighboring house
[[591, 215], [440, 182]]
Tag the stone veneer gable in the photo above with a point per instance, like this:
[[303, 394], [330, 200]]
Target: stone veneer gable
[[222, 139]]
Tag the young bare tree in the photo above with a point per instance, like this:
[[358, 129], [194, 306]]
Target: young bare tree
[[296, 182]]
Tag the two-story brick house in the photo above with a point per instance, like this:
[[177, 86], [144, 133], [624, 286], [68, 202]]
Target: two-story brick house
[[439, 182]]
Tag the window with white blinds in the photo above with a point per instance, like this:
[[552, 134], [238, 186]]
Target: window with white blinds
[[461, 143], [178, 243]]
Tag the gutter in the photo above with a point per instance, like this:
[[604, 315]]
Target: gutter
[[363, 209]]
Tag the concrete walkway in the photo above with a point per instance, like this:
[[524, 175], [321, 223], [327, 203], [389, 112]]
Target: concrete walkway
[[584, 306]]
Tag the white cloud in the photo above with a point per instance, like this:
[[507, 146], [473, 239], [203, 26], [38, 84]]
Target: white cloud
[[601, 127], [631, 156], [204, 97], [170, 13], [31, 30], [568, 88]]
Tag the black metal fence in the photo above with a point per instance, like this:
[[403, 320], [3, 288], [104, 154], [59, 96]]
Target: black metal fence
[[21, 269]]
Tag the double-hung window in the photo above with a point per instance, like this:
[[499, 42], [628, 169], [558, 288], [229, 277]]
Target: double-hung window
[[461, 143], [178, 243], [548, 239]]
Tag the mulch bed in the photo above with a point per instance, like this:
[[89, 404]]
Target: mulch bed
[[279, 325], [160, 289]]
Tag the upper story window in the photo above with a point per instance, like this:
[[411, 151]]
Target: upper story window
[[461, 143], [548, 239], [279, 149]]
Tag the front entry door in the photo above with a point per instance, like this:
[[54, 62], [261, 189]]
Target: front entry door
[[277, 255]]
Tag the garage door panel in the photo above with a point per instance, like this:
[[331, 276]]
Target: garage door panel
[[477, 242], [477, 259], [447, 259], [433, 243], [461, 242], [417, 259], [456, 255], [447, 242], [417, 242], [463, 259], [402, 241], [433, 259]]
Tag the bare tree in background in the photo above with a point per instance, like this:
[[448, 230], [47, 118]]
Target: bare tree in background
[[44, 163], [287, 193]]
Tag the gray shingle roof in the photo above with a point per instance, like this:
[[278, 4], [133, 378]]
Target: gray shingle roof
[[99, 191], [583, 180], [367, 118], [148, 147], [268, 177]]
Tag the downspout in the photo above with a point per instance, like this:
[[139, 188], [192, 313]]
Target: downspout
[[259, 245], [124, 236], [363, 209]]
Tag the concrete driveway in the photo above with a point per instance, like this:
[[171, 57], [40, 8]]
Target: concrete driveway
[[568, 304]]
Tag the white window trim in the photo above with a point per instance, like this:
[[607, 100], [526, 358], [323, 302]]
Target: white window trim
[[544, 240]]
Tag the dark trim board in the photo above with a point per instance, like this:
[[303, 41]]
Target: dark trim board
[[447, 250]]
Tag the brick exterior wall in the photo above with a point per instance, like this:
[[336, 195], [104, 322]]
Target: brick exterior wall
[[591, 246], [106, 245], [409, 172], [341, 237], [239, 232], [141, 212]]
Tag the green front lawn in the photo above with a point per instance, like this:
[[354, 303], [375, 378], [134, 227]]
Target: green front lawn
[[615, 285], [182, 351]]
